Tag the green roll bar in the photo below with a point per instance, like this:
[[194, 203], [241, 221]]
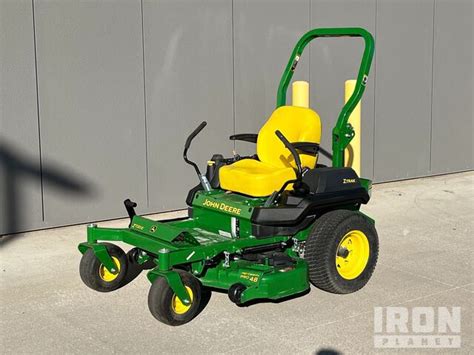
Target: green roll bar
[[343, 132]]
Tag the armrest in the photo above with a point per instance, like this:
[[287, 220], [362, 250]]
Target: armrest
[[307, 147], [246, 137]]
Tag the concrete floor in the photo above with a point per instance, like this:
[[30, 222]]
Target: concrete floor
[[426, 246]]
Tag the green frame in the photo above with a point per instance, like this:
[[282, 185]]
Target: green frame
[[343, 132], [198, 239], [174, 242]]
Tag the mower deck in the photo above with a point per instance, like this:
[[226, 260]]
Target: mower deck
[[176, 242]]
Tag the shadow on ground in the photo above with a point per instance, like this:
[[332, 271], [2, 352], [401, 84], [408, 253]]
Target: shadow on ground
[[327, 352]]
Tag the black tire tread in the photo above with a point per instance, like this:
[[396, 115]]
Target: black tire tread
[[89, 269], [160, 295], [319, 254]]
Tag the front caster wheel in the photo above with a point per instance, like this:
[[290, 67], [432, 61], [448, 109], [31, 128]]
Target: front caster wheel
[[96, 276], [165, 306]]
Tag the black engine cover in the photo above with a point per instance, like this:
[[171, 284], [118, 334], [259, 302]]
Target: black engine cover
[[322, 180], [329, 188]]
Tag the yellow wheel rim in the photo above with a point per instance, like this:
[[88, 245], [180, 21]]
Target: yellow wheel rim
[[179, 307], [106, 275], [352, 254]]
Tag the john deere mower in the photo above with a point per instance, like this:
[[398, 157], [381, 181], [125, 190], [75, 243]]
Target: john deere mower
[[259, 227]]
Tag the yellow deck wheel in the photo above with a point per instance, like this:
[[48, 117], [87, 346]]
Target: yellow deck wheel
[[179, 307], [352, 254], [106, 275]]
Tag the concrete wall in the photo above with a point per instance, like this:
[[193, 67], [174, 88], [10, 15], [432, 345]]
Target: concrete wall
[[97, 97]]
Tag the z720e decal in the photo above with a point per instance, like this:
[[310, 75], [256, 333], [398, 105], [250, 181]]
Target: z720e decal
[[137, 226]]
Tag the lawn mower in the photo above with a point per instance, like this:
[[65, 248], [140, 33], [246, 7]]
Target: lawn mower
[[258, 227]]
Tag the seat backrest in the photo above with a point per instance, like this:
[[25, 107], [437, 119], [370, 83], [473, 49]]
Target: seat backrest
[[298, 124]]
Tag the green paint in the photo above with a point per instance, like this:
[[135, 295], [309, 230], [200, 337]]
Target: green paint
[[162, 231], [201, 242], [101, 253], [174, 281], [143, 258], [214, 210], [194, 240], [342, 133], [171, 251], [261, 281]]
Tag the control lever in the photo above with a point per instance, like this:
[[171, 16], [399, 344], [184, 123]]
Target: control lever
[[202, 177], [130, 207], [289, 146], [299, 187]]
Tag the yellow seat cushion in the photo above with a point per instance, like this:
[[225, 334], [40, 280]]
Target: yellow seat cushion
[[276, 164], [298, 124], [254, 178]]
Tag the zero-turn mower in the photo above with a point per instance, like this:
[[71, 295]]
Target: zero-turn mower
[[259, 227]]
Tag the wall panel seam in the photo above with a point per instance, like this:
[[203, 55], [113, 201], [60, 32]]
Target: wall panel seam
[[432, 85], [233, 69], [374, 70], [38, 109], [309, 45], [145, 110]]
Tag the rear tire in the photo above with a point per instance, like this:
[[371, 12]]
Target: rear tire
[[165, 306], [94, 274], [341, 251]]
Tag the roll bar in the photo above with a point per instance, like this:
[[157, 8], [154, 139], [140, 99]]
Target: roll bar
[[342, 132]]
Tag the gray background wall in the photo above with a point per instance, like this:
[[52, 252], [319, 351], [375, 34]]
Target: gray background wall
[[97, 97]]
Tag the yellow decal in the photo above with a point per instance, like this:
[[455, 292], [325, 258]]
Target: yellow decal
[[348, 181], [249, 276], [221, 206], [137, 226]]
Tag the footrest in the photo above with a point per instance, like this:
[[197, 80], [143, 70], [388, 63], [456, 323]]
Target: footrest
[[161, 231]]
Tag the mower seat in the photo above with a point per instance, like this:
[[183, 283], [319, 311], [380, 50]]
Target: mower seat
[[276, 165]]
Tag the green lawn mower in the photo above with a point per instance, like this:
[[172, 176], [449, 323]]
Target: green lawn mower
[[258, 227]]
